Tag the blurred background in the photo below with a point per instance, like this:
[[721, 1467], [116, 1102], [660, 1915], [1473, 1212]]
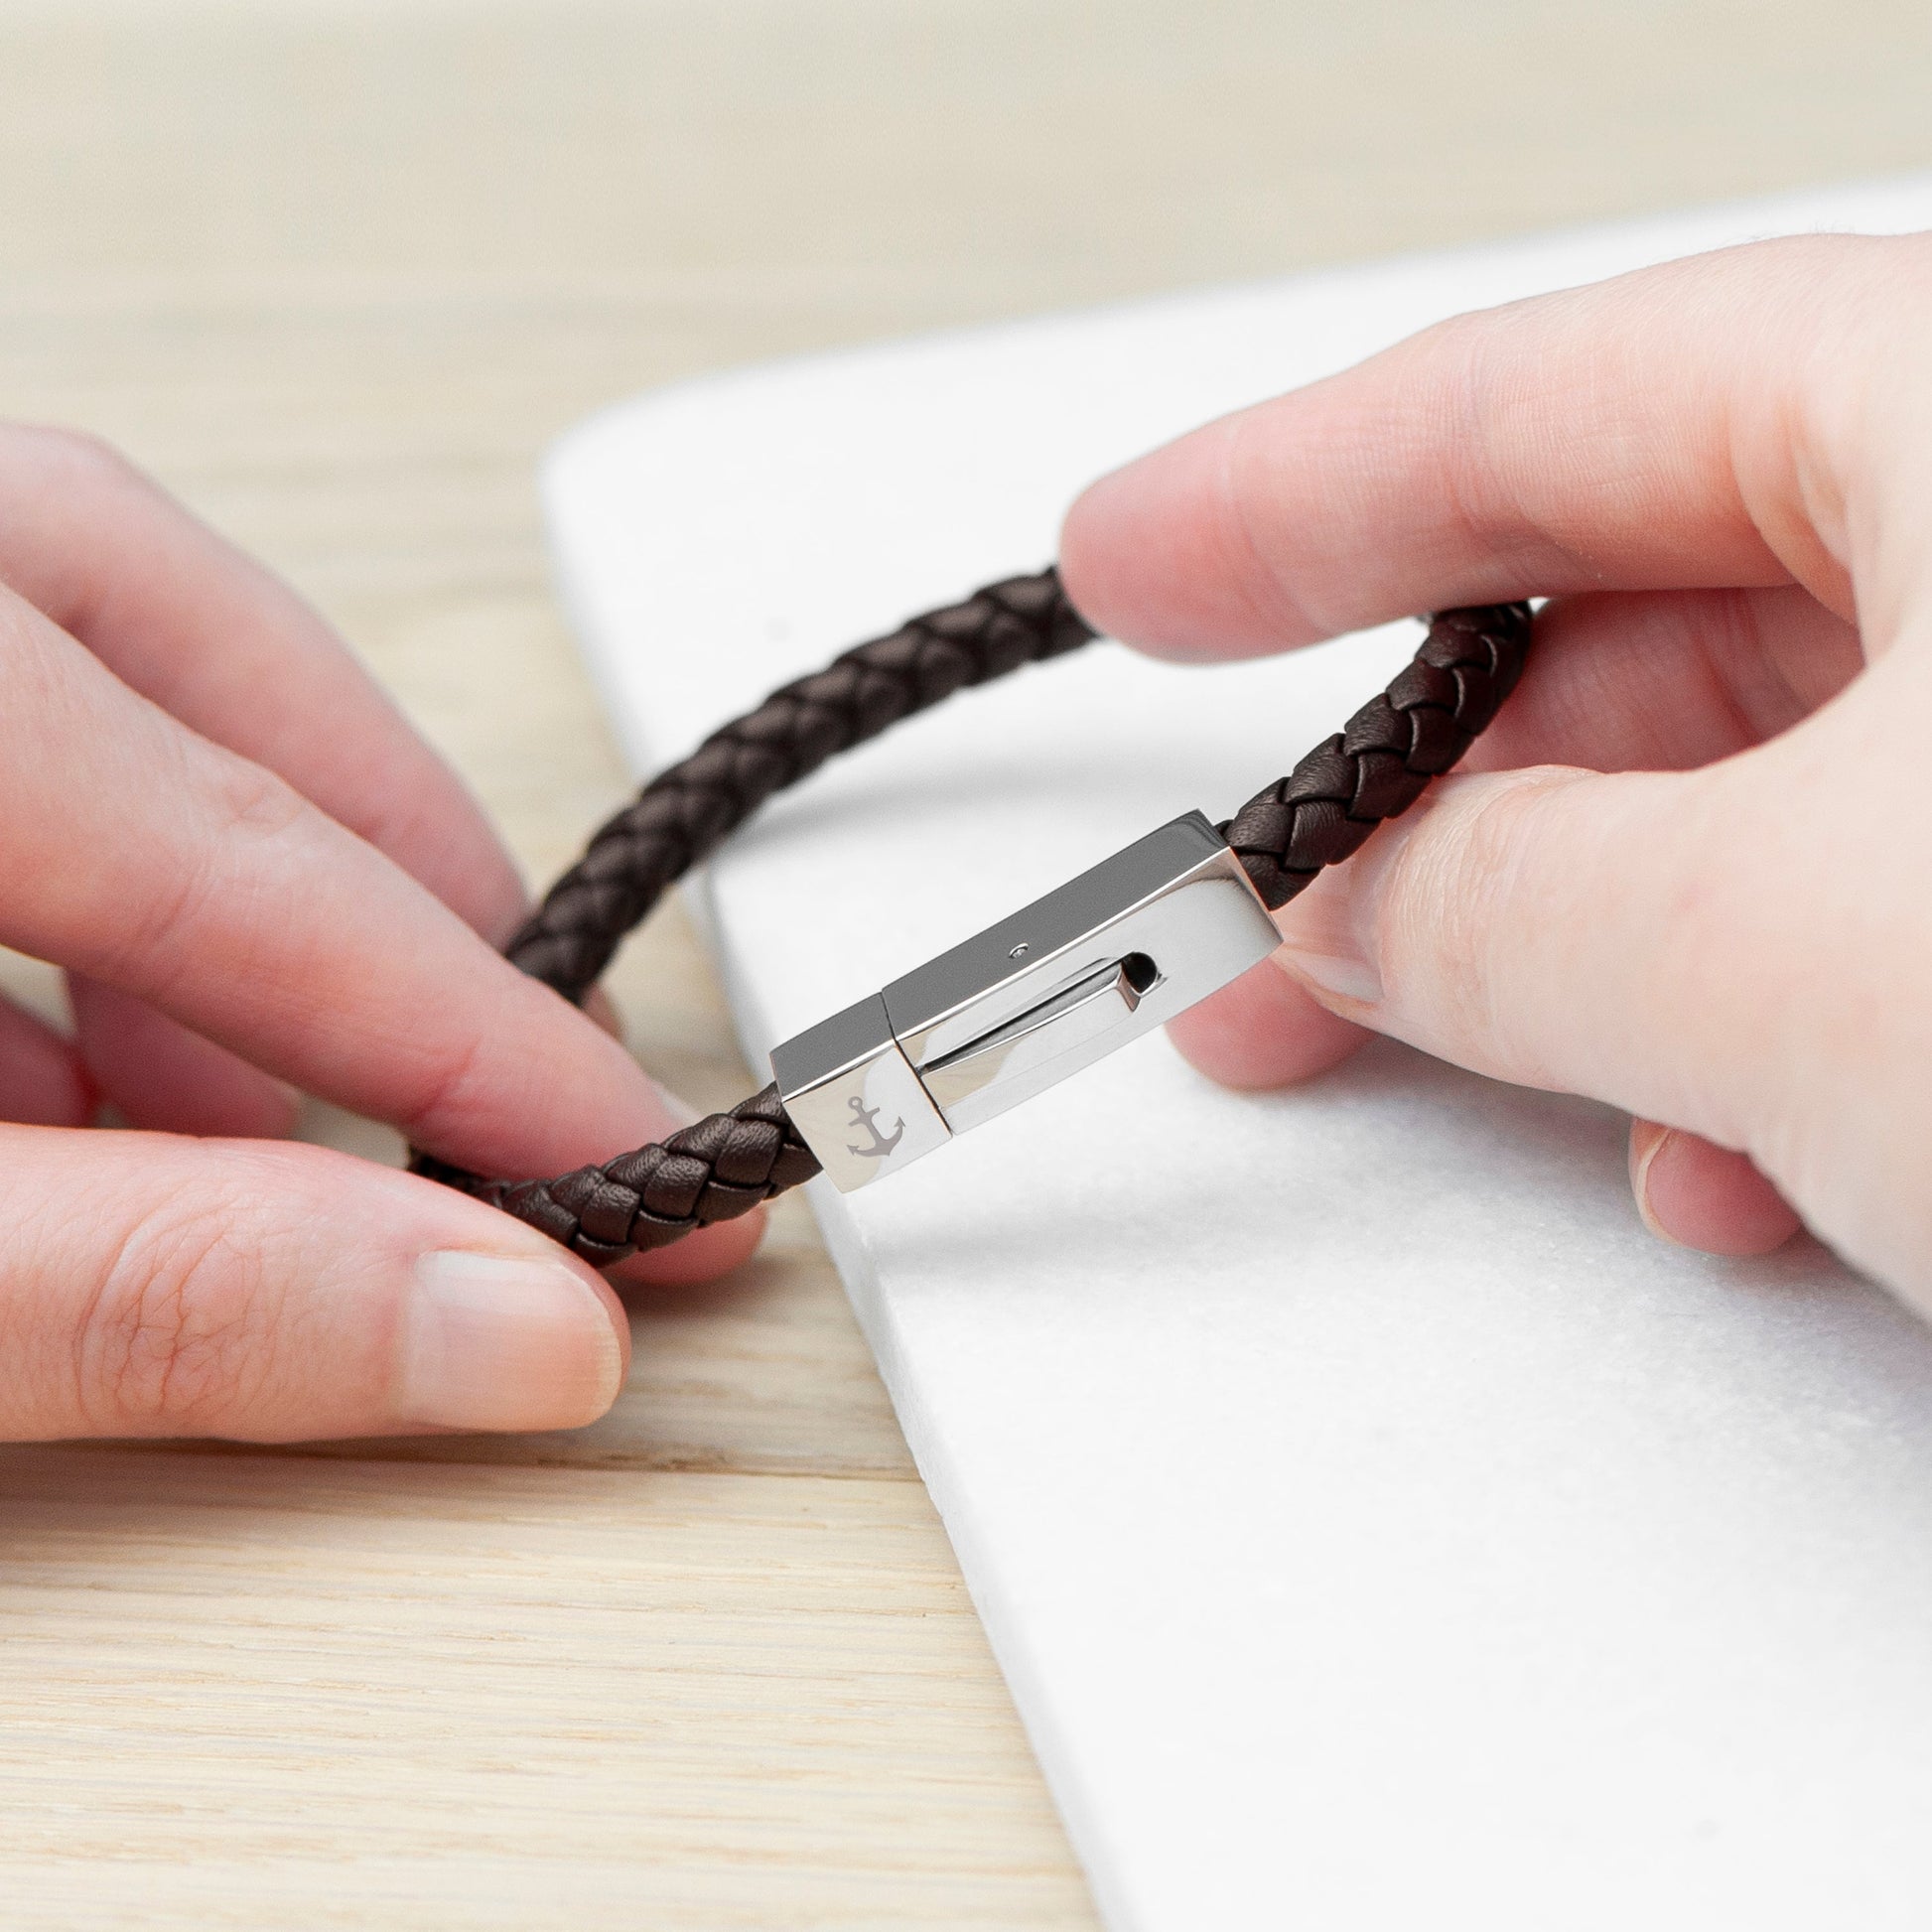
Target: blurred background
[[336, 270]]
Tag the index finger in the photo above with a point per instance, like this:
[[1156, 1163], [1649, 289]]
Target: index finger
[[192, 622], [153, 859], [1676, 428]]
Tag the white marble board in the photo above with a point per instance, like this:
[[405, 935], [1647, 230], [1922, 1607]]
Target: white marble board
[[1432, 1548]]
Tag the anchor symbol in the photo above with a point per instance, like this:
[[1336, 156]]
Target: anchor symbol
[[879, 1147]]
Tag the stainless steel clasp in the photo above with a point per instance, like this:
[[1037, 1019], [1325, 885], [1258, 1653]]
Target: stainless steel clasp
[[1018, 1007]]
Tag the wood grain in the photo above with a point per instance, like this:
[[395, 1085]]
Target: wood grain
[[337, 271], [454, 1696]]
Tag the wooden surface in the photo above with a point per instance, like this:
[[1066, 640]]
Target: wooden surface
[[337, 271]]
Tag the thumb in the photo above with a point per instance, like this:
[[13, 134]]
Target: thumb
[[1626, 937], [155, 1285], [1738, 951]]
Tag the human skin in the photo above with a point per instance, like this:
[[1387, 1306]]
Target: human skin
[[260, 881], [1685, 871]]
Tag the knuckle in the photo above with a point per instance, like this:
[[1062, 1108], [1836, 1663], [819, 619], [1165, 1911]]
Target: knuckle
[[178, 1334], [453, 1096], [252, 803], [1466, 372], [245, 812]]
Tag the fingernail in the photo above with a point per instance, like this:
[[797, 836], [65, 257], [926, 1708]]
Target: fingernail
[[1647, 1141], [504, 1341], [1353, 981]]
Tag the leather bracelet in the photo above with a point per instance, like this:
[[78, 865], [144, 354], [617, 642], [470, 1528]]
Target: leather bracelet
[[1123, 947]]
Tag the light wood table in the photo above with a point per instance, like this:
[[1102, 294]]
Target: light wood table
[[337, 271]]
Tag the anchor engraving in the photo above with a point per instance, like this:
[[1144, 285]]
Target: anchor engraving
[[881, 1146]]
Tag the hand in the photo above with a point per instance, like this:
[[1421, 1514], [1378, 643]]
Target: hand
[[1689, 870], [256, 875]]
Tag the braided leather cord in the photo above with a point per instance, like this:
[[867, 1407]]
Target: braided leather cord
[[686, 811], [727, 1164], [1377, 766]]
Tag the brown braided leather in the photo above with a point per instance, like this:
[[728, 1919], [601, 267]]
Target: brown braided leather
[[725, 1165], [685, 812], [1378, 764], [716, 1170]]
